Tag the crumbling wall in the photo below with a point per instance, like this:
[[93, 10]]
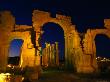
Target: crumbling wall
[[7, 22], [40, 18], [80, 53], [8, 32], [89, 43]]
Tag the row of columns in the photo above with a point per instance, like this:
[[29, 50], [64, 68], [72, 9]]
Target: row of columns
[[50, 55]]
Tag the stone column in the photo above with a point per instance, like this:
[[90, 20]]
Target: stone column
[[37, 53], [50, 53], [43, 57], [45, 62], [69, 52], [53, 54], [73, 50], [57, 53], [47, 58], [66, 52], [94, 63]]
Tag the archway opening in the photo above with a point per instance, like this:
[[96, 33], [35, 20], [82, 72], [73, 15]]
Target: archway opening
[[102, 52], [14, 52], [53, 33]]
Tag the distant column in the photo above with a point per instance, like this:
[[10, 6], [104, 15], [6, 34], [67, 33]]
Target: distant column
[[69, 51], [46, 51], [53, 54], [72, 51], [66, 51], [43, 57], [50, 53], [57, 53]]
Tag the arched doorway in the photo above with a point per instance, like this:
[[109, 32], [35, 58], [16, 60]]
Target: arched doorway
[[15, 52], [102, 51], [53, 33], [40, 18]]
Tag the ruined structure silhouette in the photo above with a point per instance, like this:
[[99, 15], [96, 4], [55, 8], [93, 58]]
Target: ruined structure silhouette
[[81, 53]]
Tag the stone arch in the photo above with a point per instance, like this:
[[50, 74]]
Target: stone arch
[[46, 23], [89, 44], [28, 51], [40, 18], [16, 35], [98, 32]]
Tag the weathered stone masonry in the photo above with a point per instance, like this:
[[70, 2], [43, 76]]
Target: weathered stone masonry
[[80, 56]]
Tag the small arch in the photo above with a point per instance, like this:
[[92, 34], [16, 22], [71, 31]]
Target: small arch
[[15, 50]]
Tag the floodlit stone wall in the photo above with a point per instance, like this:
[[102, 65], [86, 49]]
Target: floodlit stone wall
[[7, 22], [8, 32], [80, 53], [40, 18], [89, 43]]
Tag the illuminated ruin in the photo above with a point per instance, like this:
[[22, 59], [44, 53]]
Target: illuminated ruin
[[50, 55], [79, 53]]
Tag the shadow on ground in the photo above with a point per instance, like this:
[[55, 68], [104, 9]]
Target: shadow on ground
[[61, 76]]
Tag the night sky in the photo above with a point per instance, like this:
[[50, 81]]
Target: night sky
[[85, 14], [15, 47]]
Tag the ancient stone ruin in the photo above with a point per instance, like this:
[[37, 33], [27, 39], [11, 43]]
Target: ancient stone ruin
[[79, 53]]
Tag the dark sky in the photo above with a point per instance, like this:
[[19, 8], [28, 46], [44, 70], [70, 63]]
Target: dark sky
[[85, 13]]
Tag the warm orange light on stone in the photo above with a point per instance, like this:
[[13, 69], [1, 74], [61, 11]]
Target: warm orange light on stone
[[79, 53]]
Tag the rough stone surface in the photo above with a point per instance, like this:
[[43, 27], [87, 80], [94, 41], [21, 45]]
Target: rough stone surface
[[80, 53]]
